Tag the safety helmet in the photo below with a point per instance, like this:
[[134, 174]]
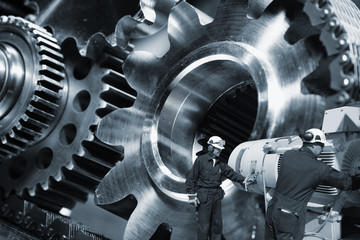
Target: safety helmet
[[313, 135], [216, 142]]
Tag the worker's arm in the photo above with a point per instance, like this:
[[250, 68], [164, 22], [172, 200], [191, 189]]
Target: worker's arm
[[340, 201], [333, 177], [229, 173], [355, 182], [192, 178]]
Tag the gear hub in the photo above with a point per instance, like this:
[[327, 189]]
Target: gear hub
[[31, 85]]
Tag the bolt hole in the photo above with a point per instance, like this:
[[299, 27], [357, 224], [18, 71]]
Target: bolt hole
[[81, 101], [49, 29], [338, 31], [17, 167], [44, 158], [322, 3], [82, 68], [67, 134]]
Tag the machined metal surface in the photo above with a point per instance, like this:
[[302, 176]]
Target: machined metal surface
[[32, 82], [142, 91], [69, 162], [49, 120], [237, 77]]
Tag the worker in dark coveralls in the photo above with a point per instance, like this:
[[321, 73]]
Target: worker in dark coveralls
[[300, 173], [203, 185]]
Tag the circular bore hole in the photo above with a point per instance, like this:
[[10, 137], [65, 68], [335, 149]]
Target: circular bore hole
[[82, 68], [231, 117], [82, 101], [44, 158], [67, 134], [215, 98], [17, 167]]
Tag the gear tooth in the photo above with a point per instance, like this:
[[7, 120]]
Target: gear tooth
[[44, 186], [257, 7], [30, 191], [104, 194], [141, 229], [58, 176], [180, 14], [318, 13], [157, 11], [125, 26], [165, 212], [151, 65], [334, 37], [115, 120], [340, 70]]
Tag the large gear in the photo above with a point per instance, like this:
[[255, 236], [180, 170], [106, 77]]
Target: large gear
[[340, 35], [69, 161], [155, 90], [237, 77], [32, 82]]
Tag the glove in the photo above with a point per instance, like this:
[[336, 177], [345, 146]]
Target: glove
[[248, 181], [355, 182], [194, 200], [251, 180]]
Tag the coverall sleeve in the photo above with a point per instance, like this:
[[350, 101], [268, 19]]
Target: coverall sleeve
[[192, 178], [341, 199], [231, 174], [337, 179]]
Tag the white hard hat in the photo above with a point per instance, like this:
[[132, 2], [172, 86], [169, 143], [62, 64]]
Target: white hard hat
[[217, 142], [314, 135]]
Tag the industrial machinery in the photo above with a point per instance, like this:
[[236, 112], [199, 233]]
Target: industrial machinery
[[260, 161], [105, 105]]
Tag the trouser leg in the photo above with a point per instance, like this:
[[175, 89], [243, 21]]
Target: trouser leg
[[216, 220], [281, 227], [269, 225], [203, 220]]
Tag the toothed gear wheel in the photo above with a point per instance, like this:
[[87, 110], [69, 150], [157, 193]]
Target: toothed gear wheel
[[31, 84], [351, 165], [338, 22], [69, 163], [233, 76]]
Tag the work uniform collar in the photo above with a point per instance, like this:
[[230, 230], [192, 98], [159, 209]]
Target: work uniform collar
[[307, 150], [213, 158]]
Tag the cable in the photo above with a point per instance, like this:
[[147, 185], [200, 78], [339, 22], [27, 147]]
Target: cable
[[313, 234], [264, 183], [323, 224], [246, 180]]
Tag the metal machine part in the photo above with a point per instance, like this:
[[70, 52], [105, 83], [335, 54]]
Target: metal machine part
[[32, 83], [51, 103], [260, 160], [28, 221], [226, 74], [144, 90], [69, 161]]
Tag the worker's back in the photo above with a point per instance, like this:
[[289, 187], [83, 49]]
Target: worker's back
[[300, 174]]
